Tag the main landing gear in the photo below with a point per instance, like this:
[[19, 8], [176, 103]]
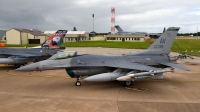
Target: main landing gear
[[78, 82], [128, 83], [19, 65]]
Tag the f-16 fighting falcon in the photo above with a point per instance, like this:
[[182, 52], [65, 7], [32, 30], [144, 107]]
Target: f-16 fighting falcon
[[120, 31], [152, 62], [22, 56]]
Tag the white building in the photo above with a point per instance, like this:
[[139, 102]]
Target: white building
[[127, 37]]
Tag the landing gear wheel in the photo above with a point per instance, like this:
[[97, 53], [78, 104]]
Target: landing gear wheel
[[21, 65], [78, 83], [128, 83]]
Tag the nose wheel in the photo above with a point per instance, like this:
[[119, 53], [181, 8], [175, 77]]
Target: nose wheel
[[78, 82]]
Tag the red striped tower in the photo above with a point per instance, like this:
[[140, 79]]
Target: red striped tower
[[112, 20]]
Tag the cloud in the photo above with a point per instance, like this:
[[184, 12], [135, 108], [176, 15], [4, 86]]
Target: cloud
[[143, 15]]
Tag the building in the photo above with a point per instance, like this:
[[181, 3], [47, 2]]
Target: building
[[127, 37], [76, 36], [25, 36], [98, 38], [72, 36]]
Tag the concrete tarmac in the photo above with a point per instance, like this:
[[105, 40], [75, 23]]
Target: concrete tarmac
[[54, 90]]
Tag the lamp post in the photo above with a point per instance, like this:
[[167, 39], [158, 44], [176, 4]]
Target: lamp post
[[93, 27], [93, 22]]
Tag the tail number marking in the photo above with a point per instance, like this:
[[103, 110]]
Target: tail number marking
[[158, 46], [162, 41]]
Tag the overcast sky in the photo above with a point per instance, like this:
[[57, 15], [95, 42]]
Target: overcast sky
[[132, 15]]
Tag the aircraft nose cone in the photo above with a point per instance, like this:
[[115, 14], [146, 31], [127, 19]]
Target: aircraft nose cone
[[30, 67]]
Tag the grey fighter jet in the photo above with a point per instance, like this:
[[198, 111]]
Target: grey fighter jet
[[149, 63], [120, 31], [22, 56]]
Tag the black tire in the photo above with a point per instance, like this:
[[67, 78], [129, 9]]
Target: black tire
[[78, 83], [21, 65], [16, 65], [128, 83]]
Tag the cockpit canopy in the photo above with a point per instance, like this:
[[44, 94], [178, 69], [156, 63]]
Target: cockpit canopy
[[65, 55]]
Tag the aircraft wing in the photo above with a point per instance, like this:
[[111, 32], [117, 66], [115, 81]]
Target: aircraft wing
[[175, 65], [21, 54], [135, 66]]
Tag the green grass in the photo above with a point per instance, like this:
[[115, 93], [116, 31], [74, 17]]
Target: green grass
[[182, 45], [109, 44], [23, 45], [179, 45]]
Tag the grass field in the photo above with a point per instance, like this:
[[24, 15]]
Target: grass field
[[108, 44], [179, 45], [192, 46], [24, 45]]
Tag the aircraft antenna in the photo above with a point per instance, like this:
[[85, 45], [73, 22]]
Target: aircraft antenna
[[197, 33]]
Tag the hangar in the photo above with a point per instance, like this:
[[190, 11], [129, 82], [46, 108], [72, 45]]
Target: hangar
[[127, 37], [72, 36], [25, 36], [76, 36]]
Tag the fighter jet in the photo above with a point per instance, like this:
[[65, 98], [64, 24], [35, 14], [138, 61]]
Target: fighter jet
[[149, 63], [120, 31], [21, 56]]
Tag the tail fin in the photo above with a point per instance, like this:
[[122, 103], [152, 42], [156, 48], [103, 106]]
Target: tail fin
[[2, 33], [164, 30], [74, 29], [163, 44], [118, 28], [54, 41]]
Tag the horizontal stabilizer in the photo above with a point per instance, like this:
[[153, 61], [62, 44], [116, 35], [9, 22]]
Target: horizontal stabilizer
[[176, 65]]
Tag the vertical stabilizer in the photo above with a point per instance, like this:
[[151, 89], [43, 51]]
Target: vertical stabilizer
[[2, 33], [54, 41], [163, 44], [74, 29], [164, 30], [118, 28]]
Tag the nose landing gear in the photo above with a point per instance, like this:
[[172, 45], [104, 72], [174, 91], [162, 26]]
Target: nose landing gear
[[78, 82]]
